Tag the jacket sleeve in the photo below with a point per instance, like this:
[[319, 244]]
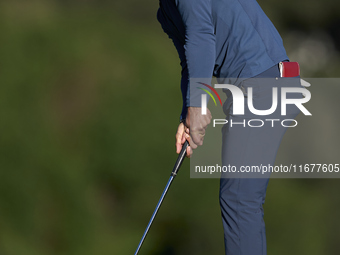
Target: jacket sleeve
[[199, 45]]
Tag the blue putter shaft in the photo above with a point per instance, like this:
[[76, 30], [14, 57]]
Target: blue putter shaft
[[174, 172]]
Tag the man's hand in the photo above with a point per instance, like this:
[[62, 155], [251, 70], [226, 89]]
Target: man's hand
[[181, 136], [193, 130]]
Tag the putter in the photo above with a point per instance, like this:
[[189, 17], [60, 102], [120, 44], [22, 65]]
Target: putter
[[174, 172]]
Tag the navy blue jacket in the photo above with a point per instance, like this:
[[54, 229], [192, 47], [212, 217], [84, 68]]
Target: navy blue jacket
[[222, 38]]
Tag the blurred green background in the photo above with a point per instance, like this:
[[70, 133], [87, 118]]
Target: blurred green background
[[89, 105]]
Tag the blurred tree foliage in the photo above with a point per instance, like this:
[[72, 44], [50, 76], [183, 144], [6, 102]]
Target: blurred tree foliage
[[89, 104]]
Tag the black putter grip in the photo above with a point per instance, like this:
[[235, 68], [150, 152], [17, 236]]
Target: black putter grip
[[180, 158]]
